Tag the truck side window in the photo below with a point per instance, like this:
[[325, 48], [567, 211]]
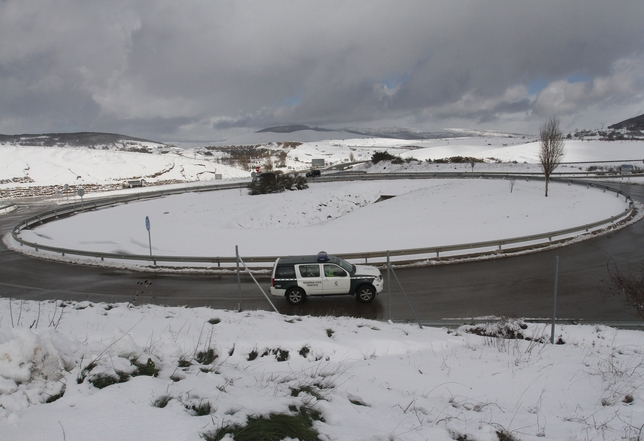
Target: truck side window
[[310, 270], [334, 271], [285, 272]]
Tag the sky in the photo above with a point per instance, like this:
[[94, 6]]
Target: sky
[[205, 70]]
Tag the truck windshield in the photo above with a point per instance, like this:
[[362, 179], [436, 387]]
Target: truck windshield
[[347, 266]]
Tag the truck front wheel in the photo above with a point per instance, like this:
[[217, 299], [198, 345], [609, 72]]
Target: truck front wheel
[[365, 293]]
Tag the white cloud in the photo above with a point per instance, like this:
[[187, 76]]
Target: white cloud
[[122, 65], [622, 85]]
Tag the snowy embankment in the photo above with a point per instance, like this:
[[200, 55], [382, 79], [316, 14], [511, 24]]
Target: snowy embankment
[[363, 380], [48, 169]]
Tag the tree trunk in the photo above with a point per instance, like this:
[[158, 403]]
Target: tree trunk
[[547, 179]]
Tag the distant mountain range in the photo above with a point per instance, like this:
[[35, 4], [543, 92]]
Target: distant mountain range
[[106, 141], [291, 129], [632, 128], [631, 124], [387, 132]]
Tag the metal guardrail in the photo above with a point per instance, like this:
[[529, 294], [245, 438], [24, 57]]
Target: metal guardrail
[[467, 249], [7, 208]]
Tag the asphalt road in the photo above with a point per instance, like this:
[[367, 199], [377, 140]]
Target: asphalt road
[[519, 286]]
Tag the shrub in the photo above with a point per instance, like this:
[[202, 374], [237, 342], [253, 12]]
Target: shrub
[[103, 380], [60, 394], [184, 362], [280, 354], [202, 409], [311, 390], [628, 282], [383, 156], [506, 327], [275, 427], [206, 357], [148, 369], [268, 183], [162, 401], [252, 355]]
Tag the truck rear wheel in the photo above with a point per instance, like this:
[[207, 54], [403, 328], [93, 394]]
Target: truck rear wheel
[[295, 296]]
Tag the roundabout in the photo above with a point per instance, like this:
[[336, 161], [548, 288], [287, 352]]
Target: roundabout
[[417, 219]]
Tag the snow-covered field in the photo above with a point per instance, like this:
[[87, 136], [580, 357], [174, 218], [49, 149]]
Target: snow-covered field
[[368, 380], [24, 167], [359, 379]]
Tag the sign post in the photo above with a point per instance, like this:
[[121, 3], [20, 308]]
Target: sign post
[[147, 227], [81, 193]]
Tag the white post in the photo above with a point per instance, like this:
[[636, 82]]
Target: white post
[[388, 287], [554, 303], [239, 307]]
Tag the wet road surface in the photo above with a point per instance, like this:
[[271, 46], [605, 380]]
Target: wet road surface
[[520, 286]]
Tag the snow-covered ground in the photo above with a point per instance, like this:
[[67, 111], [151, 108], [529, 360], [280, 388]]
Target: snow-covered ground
[[368, 380], [58, 166], [360, 379], [25, 167]]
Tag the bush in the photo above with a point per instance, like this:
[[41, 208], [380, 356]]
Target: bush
[[383, 156], [275, 427], [101, 381], [148, 368], [206, 357], [268, 183], [629, 283]]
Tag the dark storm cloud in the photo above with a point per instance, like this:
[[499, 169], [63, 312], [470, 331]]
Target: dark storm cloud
[[168, 69]]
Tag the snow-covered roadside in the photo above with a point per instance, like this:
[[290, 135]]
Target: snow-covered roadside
[[368, 380], [7, 208]]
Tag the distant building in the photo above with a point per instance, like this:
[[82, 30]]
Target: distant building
[[134, 183]]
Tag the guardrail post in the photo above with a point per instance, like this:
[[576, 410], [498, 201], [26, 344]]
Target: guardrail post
[[239, 307], [388, 288], [554, 303]]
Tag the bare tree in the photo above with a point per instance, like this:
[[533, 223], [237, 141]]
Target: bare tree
[[628, 282], [552, 147]]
